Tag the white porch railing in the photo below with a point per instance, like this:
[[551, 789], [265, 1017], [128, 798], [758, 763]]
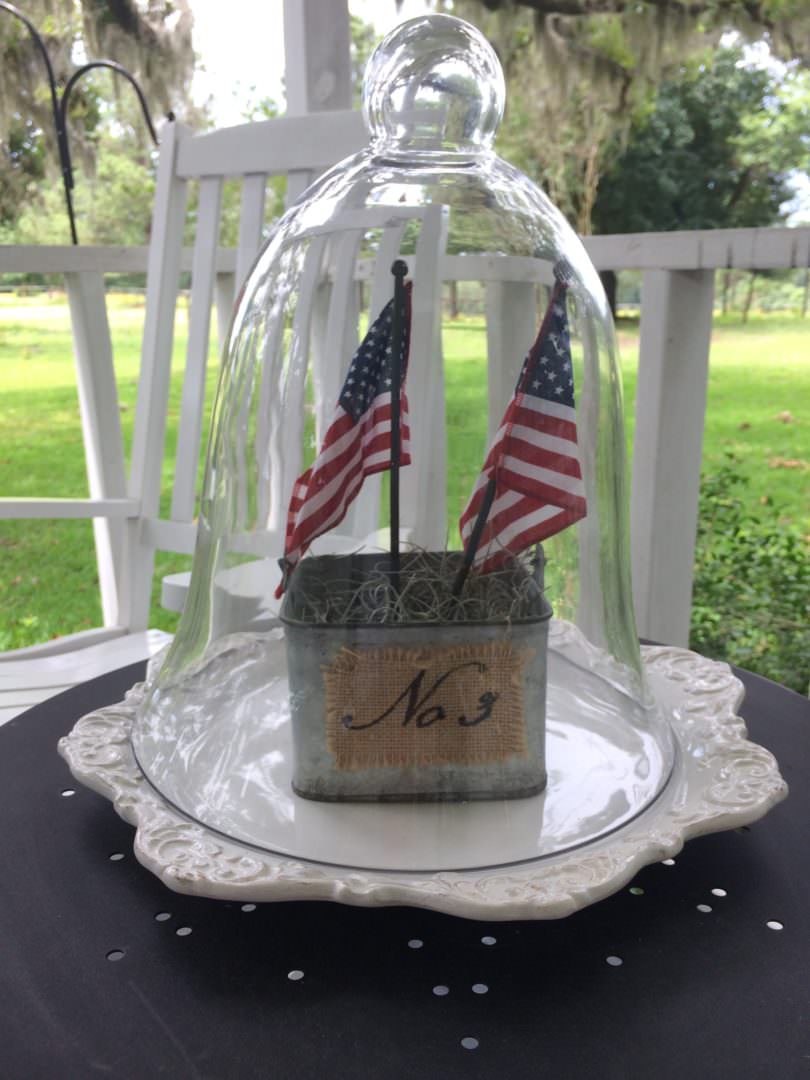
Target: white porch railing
[[677, 300], [676, 320], [83, 270]]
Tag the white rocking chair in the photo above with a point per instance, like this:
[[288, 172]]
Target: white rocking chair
[[128, 523]]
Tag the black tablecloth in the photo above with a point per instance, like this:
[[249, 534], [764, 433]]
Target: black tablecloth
[[93, 983]]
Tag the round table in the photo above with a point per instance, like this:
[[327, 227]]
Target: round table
[[701, 968]]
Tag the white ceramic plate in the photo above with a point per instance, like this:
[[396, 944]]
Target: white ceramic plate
[[720, 781], [218, 747]]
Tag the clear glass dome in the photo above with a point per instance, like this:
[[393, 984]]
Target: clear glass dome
[[459, 716]]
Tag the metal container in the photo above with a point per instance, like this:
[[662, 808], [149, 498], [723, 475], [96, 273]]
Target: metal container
[[405, 712]]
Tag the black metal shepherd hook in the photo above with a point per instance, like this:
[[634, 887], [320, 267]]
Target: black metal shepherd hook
[[60, 108], [113, 65]]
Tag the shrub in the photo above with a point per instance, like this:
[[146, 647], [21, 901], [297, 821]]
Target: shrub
[[751, 599]]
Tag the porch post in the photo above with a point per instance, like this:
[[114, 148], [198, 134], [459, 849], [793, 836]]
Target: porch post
[[318, 59], [101, 427], [676, 325], [318, 78]]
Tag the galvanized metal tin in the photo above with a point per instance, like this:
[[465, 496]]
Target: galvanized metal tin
[[421, 707]]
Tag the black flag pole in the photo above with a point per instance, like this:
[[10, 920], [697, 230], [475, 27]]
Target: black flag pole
[[475, 536], [398, 331]]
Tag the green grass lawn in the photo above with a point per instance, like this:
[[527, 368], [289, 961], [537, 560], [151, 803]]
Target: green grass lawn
[[758, 406], [758, 410], [48, 581]]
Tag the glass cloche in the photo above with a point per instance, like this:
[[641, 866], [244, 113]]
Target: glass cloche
[[409, 638]]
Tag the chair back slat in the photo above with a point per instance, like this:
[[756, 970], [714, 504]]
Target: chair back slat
[[163, 279], [511, 312], [331, 360], [422, 485], [282, 412], [225, 296], [251, 222], [336, 339], [382, 286], [203, 278], [146, 465], [297, 183], [589, 528], [101, 425]]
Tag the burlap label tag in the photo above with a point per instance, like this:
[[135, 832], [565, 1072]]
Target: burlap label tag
[[460, 705]]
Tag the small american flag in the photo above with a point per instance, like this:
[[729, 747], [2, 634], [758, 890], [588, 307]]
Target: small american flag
[[533, 461], [357, 443]]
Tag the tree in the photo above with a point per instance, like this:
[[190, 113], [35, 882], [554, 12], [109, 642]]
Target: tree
[[363, 41], [578, 71], [714, 150], [114, 183], [784, 23], [22, 168], [151, 38]]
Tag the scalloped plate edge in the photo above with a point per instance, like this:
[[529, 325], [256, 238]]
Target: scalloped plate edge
[[730, 783]]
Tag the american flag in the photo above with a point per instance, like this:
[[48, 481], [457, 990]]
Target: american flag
[[533, 463], [357, 443]]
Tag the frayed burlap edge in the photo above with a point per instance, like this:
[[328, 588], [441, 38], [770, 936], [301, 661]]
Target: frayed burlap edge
[[364, 683]]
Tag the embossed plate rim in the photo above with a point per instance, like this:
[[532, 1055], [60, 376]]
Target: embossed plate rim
[[721, 781]]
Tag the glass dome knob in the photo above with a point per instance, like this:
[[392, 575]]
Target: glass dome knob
[[434, 84]]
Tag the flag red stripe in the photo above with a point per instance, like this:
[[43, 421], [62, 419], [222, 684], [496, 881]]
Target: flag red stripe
[[332, 512], [342, 424], [337, 446], [497, 555], [321, 500], [500, 520], [540, 490], [522, 523], [372, 441], [552, 444], [506, 507], [305, 530], [543, 458], [560, 426], [536, 427], [527, 471], [333, 459], [501, 524], [331, 487], [534, 495], [330, 515]]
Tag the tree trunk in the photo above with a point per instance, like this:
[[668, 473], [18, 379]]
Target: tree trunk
[[726, 284], [590, 185], [749, 298], [452, 287], [806, 295], [610, 283]]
